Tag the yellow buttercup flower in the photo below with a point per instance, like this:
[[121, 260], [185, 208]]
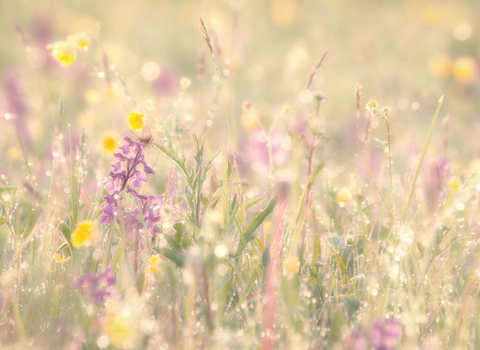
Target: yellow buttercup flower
[[453, 184], [63, 51], [153, 264], [121, 331], [58, 258], [291, 266], [135, 121], [84, 234], [80, 39], [464, 69], [109, 143], [343, 195]]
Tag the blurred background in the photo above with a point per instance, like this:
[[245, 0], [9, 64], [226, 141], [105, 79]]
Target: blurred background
[[405, 54]]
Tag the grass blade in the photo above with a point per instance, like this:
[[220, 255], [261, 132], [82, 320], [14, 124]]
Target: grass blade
[[419, 165]]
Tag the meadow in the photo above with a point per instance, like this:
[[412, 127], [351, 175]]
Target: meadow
[[240, 174]]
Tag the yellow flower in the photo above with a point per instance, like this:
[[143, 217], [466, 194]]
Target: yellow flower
[[13, 153], [84, 234], [58, 258], [121, 331], [63, 51], [453, 184], [343, 195], [109, 144], [153, 264], [135, 121], [80, 39], [440, 65], [291, 266], [464, 69]]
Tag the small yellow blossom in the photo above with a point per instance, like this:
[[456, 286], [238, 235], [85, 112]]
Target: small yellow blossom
[[440, 65], [84, 234], [343, 195], [153, 264], [464, 69], [63, 51], [80, 39], [135, 121], [109, 143], [13, 153], [58, 258], [453, 184], [372, 104], [291, 266], [121, 331]]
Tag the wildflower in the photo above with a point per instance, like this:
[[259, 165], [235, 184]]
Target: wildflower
[[372, 104], [63, 51], [343, 195], [291, 266], [453, 183], [246, 105], [109, 143], [384, 334], [13, 153], [153, 264], [146, 137], [135, 121], [84, 234], [129, 172], [58, 258], [356, 341], [185, 82], [120, 330], [440, 65], [464, 69], [80, 39], [97, 287]]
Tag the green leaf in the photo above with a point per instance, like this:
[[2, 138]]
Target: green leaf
[[335, 328], [172, 243], [259, 219], [3, 215], [177, 258], [175, 159]]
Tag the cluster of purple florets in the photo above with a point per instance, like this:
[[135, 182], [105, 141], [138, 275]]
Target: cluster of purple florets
[[97, 287], [383, 335], [130, 171]]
